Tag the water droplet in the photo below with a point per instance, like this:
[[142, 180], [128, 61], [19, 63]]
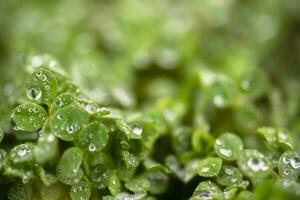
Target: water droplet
[[58, 102], [286, 172], [226, 152], [229, 171], [295, 162], [91, 108], [70, 129], [137, 130], [34, 93], [92, 147], [204, 169], [286, 159], [43, 77], [219, 100], [60, 117], [22, 152], [47, 87], [205, 195]]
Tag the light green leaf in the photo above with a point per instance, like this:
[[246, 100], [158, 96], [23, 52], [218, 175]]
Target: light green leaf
[[209, 167], [254, 165], [68, 121], [28, 117], [228, 146], [289, 165], [80, 191], [21, 153], [41, 86], [68, 167], [94, 137]]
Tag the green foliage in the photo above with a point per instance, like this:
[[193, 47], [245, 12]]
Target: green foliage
[[150, 100]]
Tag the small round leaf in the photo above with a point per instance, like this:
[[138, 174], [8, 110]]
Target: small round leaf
[[69, 165], [209, 167], [80, 191], [67, 122], [61, 101], [21, 153], [228, 146], [94, 137], [289, 165], [41, 86], [28, 117], [207, 190], [229, 175], [254, 165]]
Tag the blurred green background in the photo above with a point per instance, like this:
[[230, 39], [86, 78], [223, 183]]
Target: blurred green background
[[129, 53]]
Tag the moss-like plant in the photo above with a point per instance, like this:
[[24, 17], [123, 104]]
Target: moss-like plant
[[70, 147]]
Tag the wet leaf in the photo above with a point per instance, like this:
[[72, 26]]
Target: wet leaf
[[69, 166], [61, 101], [80, 191], [67, 122], [254, 165], [209, 167], [3, 156], [228, 146], [138, 185], [46, 148], [41, 86], [222, 93], [134, 132], [289, 165], [20, 191], [114, 184], [207, 190], [1, 134], [94, 137], [22, 153], [229, 175], [28, 117], [277, 138]]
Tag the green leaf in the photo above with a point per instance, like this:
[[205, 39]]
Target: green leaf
[[138, 185], [209, 167], [80, 191], [254, 83], [20, 191], [61, 101], [276, 138], [130, 160], [100, 176], [67, 122], [289, 165], [28, 117], [1, 134], [46, 177], [222, 93], [114, 184], [134, 132], [254, 165], [46, 148], [207, 190], [51, 192], [69, 166], [94, 137], [229, 176], [41, 86], [21, 153], [3, 156], [228, 146]]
